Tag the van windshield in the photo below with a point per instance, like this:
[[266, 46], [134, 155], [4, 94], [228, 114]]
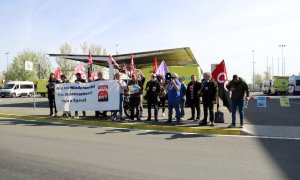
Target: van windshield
[[8, 86]]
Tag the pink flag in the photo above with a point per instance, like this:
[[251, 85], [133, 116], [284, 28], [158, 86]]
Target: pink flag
[[94, 75], [131, 65], [57, 73], [114, 63], [80, 69], [155, 65]]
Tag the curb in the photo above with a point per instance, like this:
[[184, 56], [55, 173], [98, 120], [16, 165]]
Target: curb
[[129, 125]]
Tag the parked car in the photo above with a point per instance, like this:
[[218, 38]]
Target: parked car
[[17, 89]]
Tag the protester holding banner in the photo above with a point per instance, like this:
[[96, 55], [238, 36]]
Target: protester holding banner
[[134, 90], [173, 86], [98, 113], [183, 89], [238, 88], [63, 79], [209, 92], [123, 87], [193, 97], [153, 89], [51, 94], [162, 95], [79, 80]]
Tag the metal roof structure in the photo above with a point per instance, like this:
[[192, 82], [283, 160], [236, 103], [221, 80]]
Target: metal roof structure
[[172, 57]]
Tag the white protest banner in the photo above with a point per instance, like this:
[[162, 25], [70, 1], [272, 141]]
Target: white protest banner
[[93, 96]]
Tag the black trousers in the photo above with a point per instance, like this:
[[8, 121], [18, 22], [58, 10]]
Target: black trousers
[[162, 103], [52, 104], [208, 106], [152, 102], [195, 104], [134, 103]]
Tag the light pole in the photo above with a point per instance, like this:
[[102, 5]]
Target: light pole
[[283, 64], [253, 69], [117, 49], [7, 53]]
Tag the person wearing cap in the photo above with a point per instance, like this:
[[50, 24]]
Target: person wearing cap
[[153, 89], [238, 88], [209, 92], [79, 80], [173, 87], [193, 97]]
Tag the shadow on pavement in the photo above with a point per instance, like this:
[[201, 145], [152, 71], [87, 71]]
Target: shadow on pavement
[[284, 152], [174, 135], [33, 123], [110, 131]]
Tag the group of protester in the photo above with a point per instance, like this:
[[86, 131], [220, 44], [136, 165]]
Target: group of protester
[[159, 89]]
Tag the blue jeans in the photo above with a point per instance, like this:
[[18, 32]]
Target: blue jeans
[[234, 106], [182, 105], [120, 107], [174, 103]]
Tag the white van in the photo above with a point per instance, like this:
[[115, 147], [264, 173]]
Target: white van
[[17, 89], [294, 85]]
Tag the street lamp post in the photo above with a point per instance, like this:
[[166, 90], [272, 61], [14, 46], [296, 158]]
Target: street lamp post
[[7, 53], [283, 63], [253, 82]]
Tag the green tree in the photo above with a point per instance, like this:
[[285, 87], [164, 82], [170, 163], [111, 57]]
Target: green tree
[[258, 78], [16, 70], [66, 66], [267, 75]]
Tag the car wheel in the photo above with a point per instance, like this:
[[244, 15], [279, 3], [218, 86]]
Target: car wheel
[[13, 95]]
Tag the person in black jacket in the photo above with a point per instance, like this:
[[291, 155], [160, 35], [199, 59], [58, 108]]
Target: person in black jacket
[[51, 94], [193, 97], [238, 88], [209, 91], [153, 90]]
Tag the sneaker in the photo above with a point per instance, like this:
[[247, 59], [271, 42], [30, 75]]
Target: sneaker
[[55, 115], [114, 119], [76, 117], [241, 126], [50, 115], [231, 126]]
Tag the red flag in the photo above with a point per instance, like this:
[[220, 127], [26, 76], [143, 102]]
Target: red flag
[[90, 58], [131, 65], [220, 73], [57, 73], [155, 65], [114, 63]]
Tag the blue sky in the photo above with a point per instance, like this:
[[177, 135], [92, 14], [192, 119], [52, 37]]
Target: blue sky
[[214, 29]]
